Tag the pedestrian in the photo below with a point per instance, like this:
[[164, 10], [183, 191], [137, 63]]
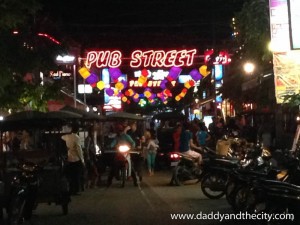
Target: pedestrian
[[75, 159], [90, 159], [151, 151], [176, 137], [202, 134]]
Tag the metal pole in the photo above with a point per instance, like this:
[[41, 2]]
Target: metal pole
[[75, 86]]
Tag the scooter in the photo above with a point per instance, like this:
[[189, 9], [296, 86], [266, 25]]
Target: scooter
[[121, 164]]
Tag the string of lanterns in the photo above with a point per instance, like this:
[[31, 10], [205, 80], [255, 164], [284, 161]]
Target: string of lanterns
[[120, 90]]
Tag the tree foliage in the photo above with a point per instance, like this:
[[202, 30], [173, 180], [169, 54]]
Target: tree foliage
[[22, 54]]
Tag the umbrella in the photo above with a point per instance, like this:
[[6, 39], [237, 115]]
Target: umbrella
[[124, 115]]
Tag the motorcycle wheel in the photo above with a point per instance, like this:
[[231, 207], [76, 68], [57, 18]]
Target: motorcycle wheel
[[16, 210], [230, 191], [213, 185], [179, 175], [241, 199], [123, 176]]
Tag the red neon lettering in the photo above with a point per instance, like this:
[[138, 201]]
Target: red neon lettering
[[136, 60], [170, 58], [115, 59], [91, 58], [148, 55], [190, 56], [104, 58], [157, 60]]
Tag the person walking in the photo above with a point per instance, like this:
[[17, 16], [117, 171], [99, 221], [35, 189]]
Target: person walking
[[75, 159], [151, 151]]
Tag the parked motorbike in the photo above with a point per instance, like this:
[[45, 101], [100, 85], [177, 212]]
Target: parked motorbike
[[23, 193], [212, 174]]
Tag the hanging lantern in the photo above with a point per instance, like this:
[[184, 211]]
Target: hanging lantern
[[93, 78], [131, 92], [174, 73], [100, 85], [93, 85], [195, 75], [203, 70], [114, 73], [142, 80], [124, 99], [116, 92], [119, 86], [145, 73], [187, 85], [84, 72], [147, 94], [163, 84], [109, 91], [177, 98]]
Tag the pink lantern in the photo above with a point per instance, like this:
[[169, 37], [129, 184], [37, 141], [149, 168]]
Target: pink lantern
[[114, 73], [195, 74]]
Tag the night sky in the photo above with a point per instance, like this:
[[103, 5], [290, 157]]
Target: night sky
[[131, 24]]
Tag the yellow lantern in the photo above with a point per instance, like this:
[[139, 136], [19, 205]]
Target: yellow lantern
[[187, 84], [142, 80], [116, 92], [147, 94], [124, 99], [100, 85], [84, 72], [119, 86], [203, 70]]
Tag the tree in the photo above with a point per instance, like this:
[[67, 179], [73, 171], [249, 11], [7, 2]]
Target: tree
[[24, 54]]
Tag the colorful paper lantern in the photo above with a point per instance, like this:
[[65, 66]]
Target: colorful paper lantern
[[195, 74], [109, 91], [114, 73], [142, 80], [124, 99], [163, 84], [177, 98], [145, 73], [119, 86], [92, 79], [147, 94], [84, 72], [203, 70], [100, 85], [174, 73]]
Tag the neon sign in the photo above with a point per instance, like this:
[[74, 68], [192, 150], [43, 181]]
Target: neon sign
[[150, 83], [222, 58], [151, 58]]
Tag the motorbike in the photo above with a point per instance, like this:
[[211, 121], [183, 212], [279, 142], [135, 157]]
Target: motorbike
[[240, 185], [212, 174], [121, 163], [21, 193]]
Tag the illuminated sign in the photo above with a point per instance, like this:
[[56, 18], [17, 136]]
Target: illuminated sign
[[151, 58], [222, 58], [150, 83], [58, 74], [294, 15]]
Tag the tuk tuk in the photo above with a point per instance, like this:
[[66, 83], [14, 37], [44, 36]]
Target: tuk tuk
[[35, 137]]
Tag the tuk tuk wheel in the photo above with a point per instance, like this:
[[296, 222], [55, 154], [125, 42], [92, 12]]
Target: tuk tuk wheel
[[65, 208]]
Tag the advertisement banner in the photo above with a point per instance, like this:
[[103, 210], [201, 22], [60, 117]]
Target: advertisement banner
[[286, 74]]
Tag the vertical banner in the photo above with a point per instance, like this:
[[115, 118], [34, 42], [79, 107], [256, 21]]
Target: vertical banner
[[286, 74], [294, 17], [279, 24]]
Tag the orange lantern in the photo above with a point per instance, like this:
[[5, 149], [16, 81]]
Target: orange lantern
[[84, 72], [177, 98], [119, 86], [203, 70]]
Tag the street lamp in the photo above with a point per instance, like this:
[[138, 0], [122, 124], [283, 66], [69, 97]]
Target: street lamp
[[69, 60], [249, 67]]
